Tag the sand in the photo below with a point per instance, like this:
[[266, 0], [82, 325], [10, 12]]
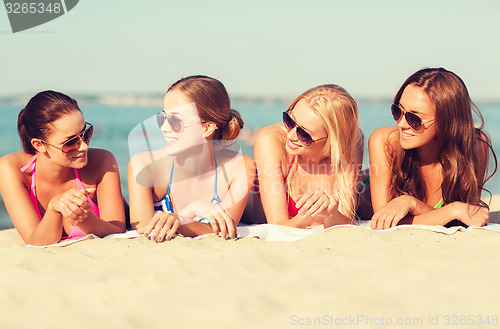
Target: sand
[[348, 275]]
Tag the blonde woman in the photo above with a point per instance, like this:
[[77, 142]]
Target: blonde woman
[[308, 166]]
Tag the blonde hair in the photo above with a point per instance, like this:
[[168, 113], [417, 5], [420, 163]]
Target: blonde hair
[[339, 111]]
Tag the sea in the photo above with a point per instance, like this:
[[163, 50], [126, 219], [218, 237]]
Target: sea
[[115, 117]]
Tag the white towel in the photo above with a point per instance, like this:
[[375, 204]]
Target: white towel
[[271, 232]]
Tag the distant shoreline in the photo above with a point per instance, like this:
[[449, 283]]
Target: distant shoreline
[[153, 99]]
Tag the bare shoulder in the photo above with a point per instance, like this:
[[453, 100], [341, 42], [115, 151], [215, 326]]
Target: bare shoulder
[[100, 155], [14, 161], [234, 160], [144, 160], [271, 139], [10, 172], [271, 133], [382, 136]]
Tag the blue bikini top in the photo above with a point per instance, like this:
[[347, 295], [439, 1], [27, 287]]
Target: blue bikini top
[[166, 205]]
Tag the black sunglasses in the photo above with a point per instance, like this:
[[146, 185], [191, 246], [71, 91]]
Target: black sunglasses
[[302, 135], [75, 142], [413, 120]]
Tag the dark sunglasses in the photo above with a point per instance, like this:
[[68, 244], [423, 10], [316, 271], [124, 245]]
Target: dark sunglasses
[[175, 123], [75, 142], [412, 119], [302, 135]]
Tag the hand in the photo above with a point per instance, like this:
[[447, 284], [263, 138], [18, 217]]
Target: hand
[[73, 205], [471, 215], [317, 203], [391, 213], [220, 219], [163, 225]]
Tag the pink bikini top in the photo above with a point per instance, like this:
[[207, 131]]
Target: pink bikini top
[[75, 232]]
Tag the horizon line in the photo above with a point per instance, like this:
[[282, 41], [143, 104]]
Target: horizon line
[[147, 97]]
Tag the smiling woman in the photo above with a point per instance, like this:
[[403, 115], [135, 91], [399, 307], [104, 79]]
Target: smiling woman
[[432, 167], [58, 187], [194, 185], [308, 167]]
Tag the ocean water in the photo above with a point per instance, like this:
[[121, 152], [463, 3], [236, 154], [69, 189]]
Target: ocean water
[[114, 123]]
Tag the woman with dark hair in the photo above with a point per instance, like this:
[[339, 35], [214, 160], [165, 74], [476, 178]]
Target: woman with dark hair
[[194, 185], [432, 167], [58, 187]]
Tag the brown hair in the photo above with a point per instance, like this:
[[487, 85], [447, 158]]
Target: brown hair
[[42, 109], [213, 104], [460, 154]]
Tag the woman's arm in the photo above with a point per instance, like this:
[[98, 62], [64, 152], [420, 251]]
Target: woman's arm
[[380, 170], [21, 210], [109, 196], [470, 215], [140, 197], [241, 171], [269, 153]]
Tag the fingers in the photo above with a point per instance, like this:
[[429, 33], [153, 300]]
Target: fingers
[[163, 226], [223, 222], [169, 228], [479, 216], [219, 218], [390, 214], [78, 207], [74, 204], [386, 218], [173, 230], [312, 203], [330, 204], [215, 226], [151, 225], [75, 211], [303, 199]]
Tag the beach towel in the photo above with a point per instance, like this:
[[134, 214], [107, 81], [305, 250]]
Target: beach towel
[[271, 232]]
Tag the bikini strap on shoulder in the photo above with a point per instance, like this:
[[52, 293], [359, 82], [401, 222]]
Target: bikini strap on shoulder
[[216, 198], [170, 179], [30, 164], [79, 184]]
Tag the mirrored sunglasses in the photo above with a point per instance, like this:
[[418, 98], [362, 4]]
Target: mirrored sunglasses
[[176, 124]]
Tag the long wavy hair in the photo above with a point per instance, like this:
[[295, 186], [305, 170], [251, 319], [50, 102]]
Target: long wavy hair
[[339, 112], [463, 147]]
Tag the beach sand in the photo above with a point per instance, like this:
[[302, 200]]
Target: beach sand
[[361, 277]]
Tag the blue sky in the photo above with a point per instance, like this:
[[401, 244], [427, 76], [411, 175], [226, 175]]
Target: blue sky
[[269, 48]]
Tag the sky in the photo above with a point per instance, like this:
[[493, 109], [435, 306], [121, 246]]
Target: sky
[[257, 48]]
